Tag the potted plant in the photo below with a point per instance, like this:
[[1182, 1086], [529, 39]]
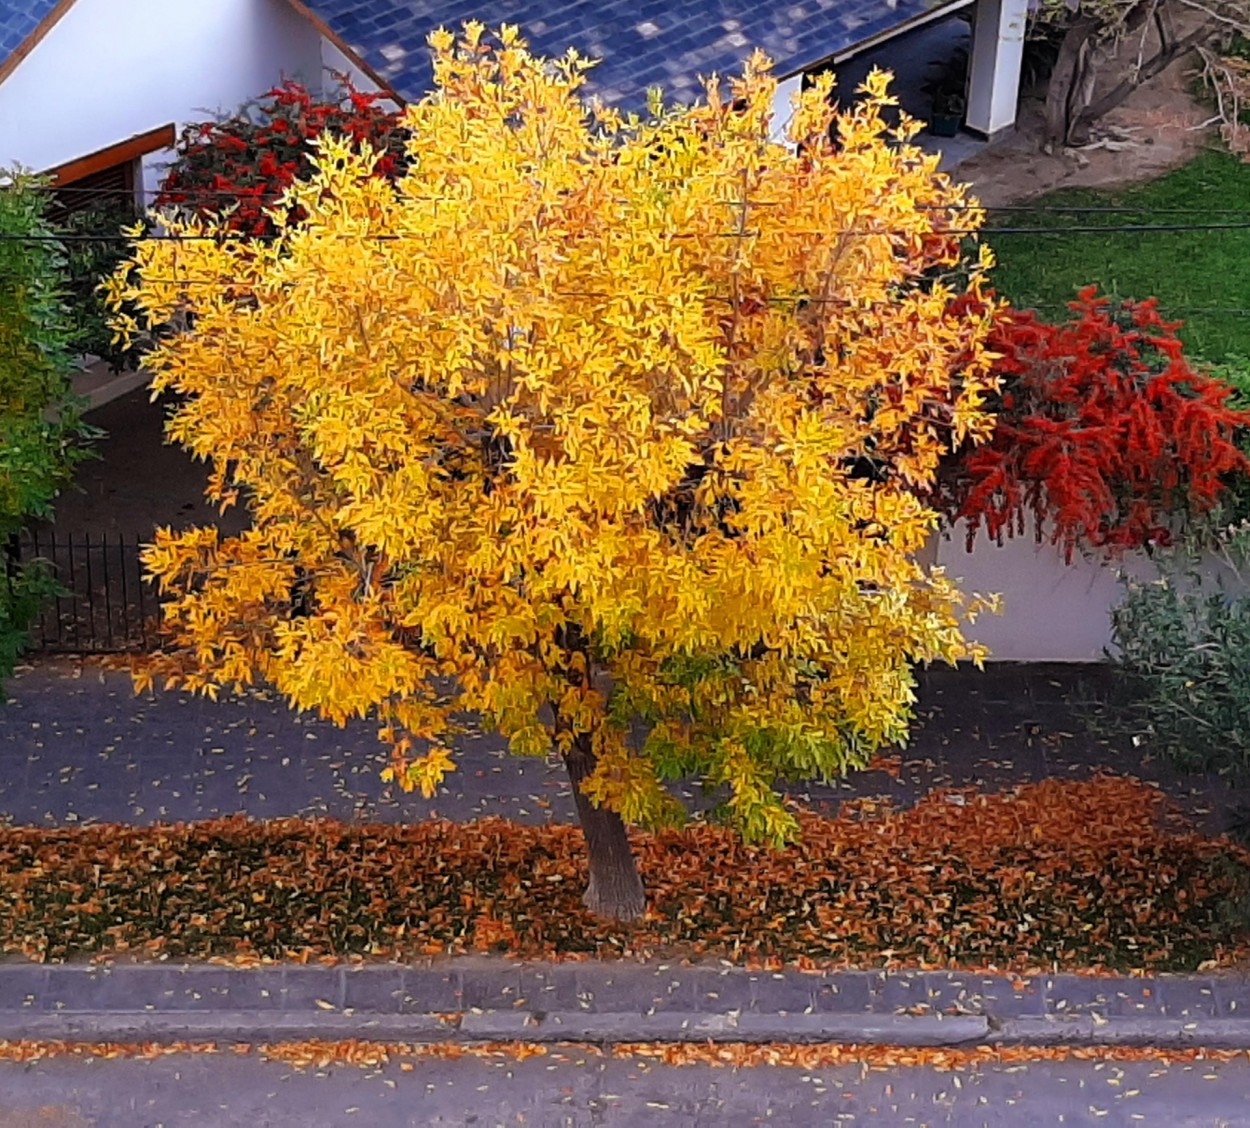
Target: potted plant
[[947, 94], [947, 115]]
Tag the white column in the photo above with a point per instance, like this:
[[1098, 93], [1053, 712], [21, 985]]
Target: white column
[[994, 79], [787, 90]]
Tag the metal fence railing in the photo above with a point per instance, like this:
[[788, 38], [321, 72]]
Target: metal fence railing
[[104, 605]]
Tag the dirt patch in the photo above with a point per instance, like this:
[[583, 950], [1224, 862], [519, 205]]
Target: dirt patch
[[1158, 128], [50, 1116]]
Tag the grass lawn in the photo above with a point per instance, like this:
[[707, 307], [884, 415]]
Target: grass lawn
[[1186, 270]]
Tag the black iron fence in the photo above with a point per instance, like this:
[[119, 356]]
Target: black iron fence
[[105, 605]]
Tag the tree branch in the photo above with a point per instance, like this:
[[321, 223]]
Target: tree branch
[[1155, 66]]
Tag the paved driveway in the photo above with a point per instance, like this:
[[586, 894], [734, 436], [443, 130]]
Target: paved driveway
[[77, 745]]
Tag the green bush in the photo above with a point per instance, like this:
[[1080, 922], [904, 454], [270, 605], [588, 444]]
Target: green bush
[[1235, 372], [93, 249], [1183, 655], [41, 434]]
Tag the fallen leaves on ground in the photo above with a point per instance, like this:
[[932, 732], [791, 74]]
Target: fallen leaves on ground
[[1057, 874], [28, 1050], [319, 1053]]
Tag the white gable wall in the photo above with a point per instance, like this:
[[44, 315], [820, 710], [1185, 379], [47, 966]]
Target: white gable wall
[[112, 69]]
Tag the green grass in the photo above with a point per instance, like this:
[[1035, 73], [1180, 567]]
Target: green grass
[[1185, 270]]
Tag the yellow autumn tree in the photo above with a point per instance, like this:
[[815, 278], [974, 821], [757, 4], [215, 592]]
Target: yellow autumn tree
[[610, 430]]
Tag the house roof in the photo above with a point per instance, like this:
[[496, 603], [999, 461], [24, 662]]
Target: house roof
[[22, 24], [642, 43]]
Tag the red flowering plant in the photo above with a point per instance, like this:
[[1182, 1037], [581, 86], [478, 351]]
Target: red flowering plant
[[1106, 438], [247, 161]]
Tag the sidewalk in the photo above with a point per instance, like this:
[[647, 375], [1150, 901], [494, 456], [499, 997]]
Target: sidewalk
[[79, 747], [482, 999]]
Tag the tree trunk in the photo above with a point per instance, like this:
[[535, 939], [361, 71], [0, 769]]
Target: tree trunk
[[1061, 78], [1065, 82], [1071, 107], [615, 890]]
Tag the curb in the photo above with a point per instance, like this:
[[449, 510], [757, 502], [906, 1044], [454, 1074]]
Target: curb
[[1211, 1033], [494, 1026], [480, 999]]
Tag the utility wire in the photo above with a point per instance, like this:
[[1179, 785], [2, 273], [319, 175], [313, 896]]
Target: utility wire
[[1169, 311], [194, 194], [989, 230]]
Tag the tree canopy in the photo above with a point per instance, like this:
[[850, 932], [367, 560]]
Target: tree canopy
[[612, 430]]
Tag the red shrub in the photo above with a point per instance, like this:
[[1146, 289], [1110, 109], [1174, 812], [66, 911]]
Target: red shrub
[[249, 160], [1105, 433]]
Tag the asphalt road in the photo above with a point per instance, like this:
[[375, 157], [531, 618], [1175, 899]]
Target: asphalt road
[[77, 746], [579, 1091]]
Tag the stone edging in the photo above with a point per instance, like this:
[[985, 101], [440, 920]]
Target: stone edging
[[485, 999]]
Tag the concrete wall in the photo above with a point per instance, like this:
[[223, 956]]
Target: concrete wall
[[1052, 611], [111, 69]]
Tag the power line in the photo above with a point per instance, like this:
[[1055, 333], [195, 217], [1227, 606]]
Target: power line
[[777, 300], [1187, 311], [386, 237], [1137, 228], [1119, 209], [242, 195]]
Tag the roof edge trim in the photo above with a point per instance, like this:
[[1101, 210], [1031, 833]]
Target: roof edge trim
[[932, 16], [45, 25], [333, 36]]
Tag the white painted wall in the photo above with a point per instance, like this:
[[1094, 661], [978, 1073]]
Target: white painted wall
[[333, 61], [1052, 611], [111, 69]]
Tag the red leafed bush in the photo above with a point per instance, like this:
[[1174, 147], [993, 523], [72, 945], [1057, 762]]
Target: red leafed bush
[[248, 160], [1105, 436]]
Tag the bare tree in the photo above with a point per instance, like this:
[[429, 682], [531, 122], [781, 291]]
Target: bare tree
[[1126, 41], [1228, 79]]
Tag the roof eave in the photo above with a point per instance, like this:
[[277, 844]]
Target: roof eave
[[45, 25], [326, 30], [840, 56]]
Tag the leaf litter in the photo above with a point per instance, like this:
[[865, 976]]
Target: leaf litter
[[320, 1053], [1060, 874]]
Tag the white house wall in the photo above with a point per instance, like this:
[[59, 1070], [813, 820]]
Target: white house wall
[[1052, 611], [112, 69], [333, 61]]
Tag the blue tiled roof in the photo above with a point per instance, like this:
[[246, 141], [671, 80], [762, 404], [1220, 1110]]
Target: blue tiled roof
[[18, 18], [643, 43]]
